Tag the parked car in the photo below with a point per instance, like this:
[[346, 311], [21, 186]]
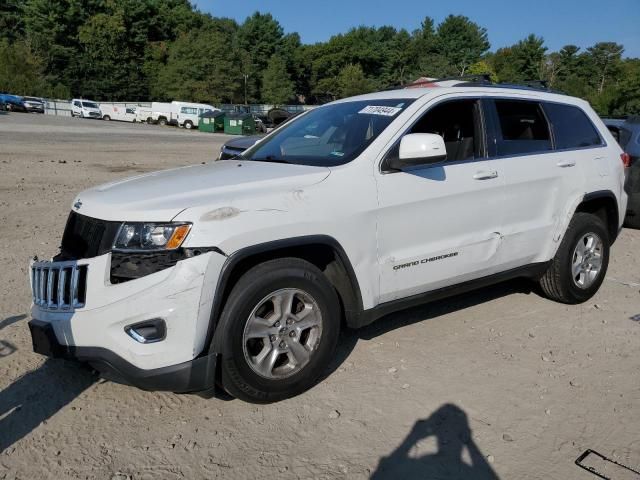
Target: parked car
[[85, 109], [117, 112], [12, 103], [33, 104], [236, 146], [627, 133], [239, 274]]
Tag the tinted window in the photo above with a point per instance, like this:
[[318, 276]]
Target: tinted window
[[523, 128], [625, 137], [571, 127], [458, 122]]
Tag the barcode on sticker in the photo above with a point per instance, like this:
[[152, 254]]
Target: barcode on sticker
[[380, 110]]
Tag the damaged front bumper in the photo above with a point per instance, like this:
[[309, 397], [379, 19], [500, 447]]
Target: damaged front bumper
[[95, 329]]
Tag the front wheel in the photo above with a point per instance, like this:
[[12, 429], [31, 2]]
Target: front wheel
[[106, 118], [580, 265], [188, 125], [278, 331]]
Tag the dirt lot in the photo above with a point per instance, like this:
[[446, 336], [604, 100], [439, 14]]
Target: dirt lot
[[499, 383]]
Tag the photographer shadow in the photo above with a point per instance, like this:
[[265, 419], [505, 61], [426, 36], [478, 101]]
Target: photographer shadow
[[450, 427]]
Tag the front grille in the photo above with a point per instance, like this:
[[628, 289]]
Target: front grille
[[94, 114], [86, 237], [59, 285]]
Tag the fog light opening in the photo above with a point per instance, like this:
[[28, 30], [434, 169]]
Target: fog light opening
[[149, 331]]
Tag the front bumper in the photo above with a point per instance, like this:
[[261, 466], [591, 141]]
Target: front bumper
[[197, 375], [181, 295]]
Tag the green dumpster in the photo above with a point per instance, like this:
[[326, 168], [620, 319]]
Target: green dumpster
[[211, 121], [239, 124]]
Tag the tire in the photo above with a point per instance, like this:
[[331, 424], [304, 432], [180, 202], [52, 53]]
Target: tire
[[106, 118], [162, 122], [252, 300], [188, 125], [559, 282]]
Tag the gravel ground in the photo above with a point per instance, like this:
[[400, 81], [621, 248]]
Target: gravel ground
[[496, 384]]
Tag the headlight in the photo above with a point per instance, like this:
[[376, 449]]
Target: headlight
[[151, 236]]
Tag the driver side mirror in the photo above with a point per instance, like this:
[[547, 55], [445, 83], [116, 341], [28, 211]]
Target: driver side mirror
[[419, 149]]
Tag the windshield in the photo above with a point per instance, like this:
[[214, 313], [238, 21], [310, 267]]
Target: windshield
[[331, 135], [89, 105]]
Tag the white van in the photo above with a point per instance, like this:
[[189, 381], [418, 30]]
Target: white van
[[162, 114], [85, 109], [188, 114], [116, 112]]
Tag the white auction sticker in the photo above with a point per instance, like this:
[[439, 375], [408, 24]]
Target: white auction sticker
[[380, 110]]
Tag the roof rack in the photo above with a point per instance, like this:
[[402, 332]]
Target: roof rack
[[484, 80]]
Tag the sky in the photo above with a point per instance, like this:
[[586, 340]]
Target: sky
[[559, 22]]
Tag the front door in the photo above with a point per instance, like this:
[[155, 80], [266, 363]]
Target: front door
[[440, 224]]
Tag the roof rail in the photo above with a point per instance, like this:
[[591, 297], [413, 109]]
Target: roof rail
[[475, 78]]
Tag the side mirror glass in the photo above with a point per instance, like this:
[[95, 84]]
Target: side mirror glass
[[419, 149]]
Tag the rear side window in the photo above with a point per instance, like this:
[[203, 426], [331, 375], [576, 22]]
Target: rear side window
[[571, 127], [523, 128]]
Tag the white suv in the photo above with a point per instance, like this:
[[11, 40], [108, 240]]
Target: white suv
[[239, 275]]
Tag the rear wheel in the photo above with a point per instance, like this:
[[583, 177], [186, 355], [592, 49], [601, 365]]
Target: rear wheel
[[279, 329], [162, 121], [580, 265]]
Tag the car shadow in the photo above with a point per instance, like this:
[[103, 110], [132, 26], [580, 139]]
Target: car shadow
[[450, 428], [37, 396], [432, 310], [429, 311]]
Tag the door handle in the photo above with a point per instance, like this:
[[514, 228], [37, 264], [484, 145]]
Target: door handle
[[485, 175], [567, 164]]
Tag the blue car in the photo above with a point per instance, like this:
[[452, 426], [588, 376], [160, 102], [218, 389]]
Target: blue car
[[12, 102], [627, 132]]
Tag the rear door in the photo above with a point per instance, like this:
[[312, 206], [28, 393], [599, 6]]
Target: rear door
[[541, 179], [439, 225]]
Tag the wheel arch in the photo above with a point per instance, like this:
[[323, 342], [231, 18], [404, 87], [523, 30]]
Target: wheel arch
[[323, 251], [604, 204]]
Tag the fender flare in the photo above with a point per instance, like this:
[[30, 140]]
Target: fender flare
[[608, 194], [234, 260]]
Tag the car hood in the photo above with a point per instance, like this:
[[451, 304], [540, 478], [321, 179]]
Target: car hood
[[160, 196], [242, 143]]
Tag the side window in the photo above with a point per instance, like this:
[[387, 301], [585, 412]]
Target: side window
[[571, 127], [189, 110], [458, 122], [76, 103], [522, 128]]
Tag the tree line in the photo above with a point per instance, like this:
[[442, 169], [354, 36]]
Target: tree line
[[141, 50]]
